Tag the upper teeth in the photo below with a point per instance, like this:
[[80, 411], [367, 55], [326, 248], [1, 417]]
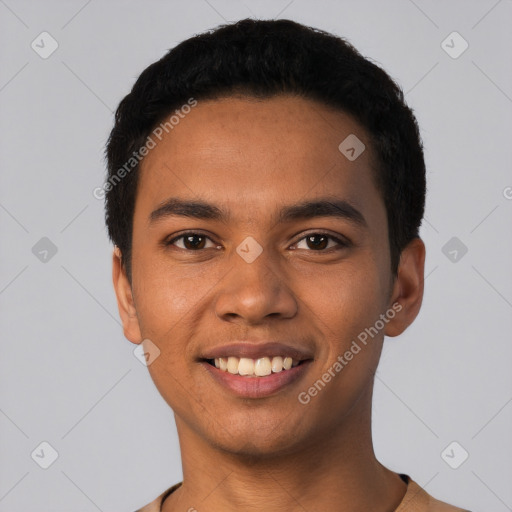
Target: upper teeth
[[258, 367]]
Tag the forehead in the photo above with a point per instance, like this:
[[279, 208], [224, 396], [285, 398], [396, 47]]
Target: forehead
[[248, 154]]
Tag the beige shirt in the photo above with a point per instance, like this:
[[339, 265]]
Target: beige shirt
[[415, 500]]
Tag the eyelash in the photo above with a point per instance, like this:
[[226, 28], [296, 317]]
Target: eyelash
[[342, 244]]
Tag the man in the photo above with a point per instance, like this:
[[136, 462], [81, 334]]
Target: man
[[265, 191]]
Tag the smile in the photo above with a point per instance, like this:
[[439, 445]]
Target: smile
[[261, 367]]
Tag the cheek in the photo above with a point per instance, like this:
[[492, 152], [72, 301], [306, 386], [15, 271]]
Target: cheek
[[347, 308], [173, 310], [348, 299], [166, 305], [163, 304], [164, 292]]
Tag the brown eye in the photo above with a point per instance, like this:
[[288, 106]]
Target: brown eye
[[194, 242], [320, 242], [191, 241], [317, 241]]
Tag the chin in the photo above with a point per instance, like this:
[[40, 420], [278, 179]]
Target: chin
[[257, 439]]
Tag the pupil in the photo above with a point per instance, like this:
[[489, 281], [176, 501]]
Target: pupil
[[189, 238], [322, 244]]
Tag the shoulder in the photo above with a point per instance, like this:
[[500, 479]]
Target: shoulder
[[156, 504], [416, 499]]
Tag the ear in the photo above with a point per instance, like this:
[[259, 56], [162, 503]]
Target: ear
[[125, 302], [407, 294]]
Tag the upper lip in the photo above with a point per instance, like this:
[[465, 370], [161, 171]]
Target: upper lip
[[256, 350]]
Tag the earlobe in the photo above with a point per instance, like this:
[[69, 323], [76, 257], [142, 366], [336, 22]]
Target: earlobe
[[125, 302], [408, 288]]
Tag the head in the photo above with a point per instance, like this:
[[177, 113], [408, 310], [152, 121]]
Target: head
[[246, 122]]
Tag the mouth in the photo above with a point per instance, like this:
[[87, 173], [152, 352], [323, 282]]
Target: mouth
[[257, 369], [256, 378]]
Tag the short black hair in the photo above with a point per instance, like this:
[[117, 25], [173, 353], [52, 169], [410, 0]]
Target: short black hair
[[262, 59]]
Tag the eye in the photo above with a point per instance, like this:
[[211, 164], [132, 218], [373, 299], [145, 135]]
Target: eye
[[192, 241], [320, 241], [317, 241]]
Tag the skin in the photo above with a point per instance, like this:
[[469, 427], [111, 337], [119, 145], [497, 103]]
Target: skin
[[251, 157]]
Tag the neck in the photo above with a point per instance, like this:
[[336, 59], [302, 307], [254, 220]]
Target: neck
[[330, 471]]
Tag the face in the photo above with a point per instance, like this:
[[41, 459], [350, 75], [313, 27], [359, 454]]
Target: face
[[253, 266]]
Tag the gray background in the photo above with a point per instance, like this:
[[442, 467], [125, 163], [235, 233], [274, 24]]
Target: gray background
[[68, 375]]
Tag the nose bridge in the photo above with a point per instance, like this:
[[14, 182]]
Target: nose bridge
[[255, 288]]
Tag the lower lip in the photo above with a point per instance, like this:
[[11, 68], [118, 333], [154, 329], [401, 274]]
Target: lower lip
[[257, 387]]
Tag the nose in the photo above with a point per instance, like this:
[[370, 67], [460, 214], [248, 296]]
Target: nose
[[253, 292]]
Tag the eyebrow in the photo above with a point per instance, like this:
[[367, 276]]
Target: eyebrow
[[321, 207]]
